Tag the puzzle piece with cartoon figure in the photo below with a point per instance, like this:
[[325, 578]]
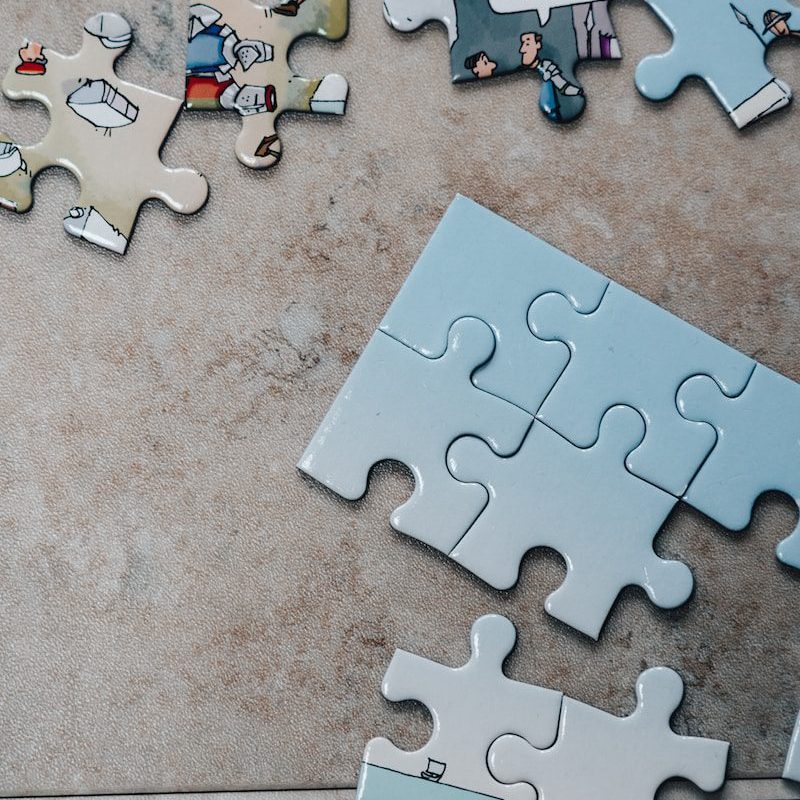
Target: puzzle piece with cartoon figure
[[105, 131], [497, 37], [724, 43], [238, 60]]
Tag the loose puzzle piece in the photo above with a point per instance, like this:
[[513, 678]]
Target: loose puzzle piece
[[631, 352], [723, 43], [582, 503], [105, 131], [600, 755], [758, 449], [497, 37], [480, 265], [238, 59], [791, 770], [471, 706], [399, 405]]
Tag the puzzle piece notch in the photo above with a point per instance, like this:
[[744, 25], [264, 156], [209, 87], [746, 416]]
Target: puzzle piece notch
[[582, 503], [632, 352], [757, 449], [105, 131], [723, 44], [471, 706], [478, 264], [399, 405], [597, 754], [238, 60]]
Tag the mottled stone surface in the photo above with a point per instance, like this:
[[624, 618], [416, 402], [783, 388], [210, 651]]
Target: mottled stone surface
[[180, 608]]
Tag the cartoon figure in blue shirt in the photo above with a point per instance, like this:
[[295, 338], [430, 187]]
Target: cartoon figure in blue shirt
[[555, 83]]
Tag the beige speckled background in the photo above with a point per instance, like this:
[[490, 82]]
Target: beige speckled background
[[179, 608]]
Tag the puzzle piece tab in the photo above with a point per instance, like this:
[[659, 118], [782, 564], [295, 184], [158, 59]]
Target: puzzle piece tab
[[599, 755], [582, 503], [723, 43], [105, 131], [471, 707], [399, 405], [544, 37], [238, 60], [757, 450]]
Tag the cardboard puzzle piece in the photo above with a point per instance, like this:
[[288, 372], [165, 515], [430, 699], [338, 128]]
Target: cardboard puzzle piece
[[757, 450], [478, 264], [599, 755], [545, 37], [724, 43], [399, 405], [632, 352], [791, 769], [105, 131], [238, 59], [582, 503], [471, 707]]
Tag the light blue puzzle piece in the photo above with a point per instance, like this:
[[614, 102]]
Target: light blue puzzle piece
[[480, 265], [632, 352], [758, 449], [377, 783], [791, 769], [723, 43], [582, 503], [399, 405]]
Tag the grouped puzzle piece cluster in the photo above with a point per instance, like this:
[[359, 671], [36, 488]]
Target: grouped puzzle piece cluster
[[109, 133]]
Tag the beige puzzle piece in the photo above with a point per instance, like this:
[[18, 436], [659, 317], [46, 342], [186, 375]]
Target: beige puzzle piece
[[238, 59], [105, 131]]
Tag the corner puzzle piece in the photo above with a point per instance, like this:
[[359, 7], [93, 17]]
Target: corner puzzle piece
[[399, 405], [582, 503], [238, 59], [724, 43], [632, 352], [599, 755], [478, 264], [757, 450], [791, 769], [544, 37], [105, 131], [471, 706]]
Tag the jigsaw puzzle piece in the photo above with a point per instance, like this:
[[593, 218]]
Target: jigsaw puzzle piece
[[238, 59], [399, 405], [599, 755], [723, 43], [632, 352], [582, 503], [107, 132], [471, 707], [757, 450], [479, 264], [791, 769]]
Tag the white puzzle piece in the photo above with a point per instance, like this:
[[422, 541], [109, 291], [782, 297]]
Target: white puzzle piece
[[471, 706], [632, 352], [791, 769], [480, 265], [399, 405], [598, 755], [582, 503], [757, 450]]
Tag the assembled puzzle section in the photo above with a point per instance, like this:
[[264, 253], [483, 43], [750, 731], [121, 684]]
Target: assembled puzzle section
[[105, 131], [547, 38], [238, 60]]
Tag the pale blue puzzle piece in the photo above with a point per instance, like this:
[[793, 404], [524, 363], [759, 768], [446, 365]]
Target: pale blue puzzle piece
[[399, 405], [480, 265], [791, 769], [757, 450], [632, 352], [723, 43], [582, 503], [378, 783]]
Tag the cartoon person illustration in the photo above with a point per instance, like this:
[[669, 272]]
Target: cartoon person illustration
[[480, 64], [288, 9], [777, 24], [32, 60], [530, 45]]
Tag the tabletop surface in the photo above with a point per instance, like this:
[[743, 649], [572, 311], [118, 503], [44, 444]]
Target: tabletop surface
[[181, 609]]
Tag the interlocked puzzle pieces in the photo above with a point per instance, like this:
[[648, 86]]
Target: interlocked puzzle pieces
[[498, 37], [490, 732], [105, 131], [238, 59], [555, 462]]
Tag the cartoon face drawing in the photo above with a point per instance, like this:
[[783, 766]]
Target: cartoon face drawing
[[408, 15], [481, 65], [778, 24], [530, 45]]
